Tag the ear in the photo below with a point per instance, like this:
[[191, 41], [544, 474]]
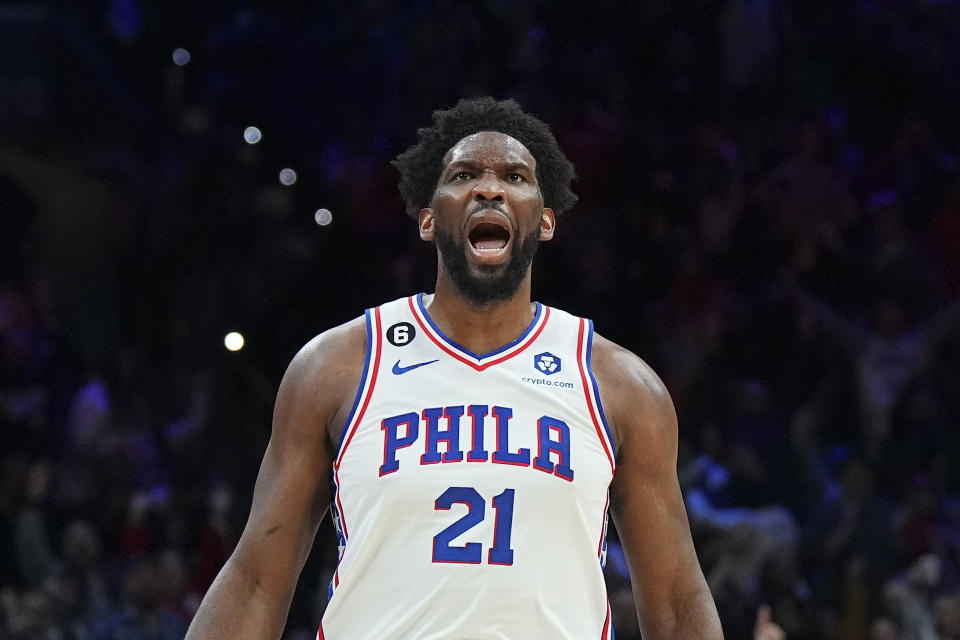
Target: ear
[[548, 222], [425, 222]]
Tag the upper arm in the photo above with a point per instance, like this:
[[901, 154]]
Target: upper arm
[[292, 491], [647, 505]]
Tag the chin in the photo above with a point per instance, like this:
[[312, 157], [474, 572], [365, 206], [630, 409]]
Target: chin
[[485, 283], [488, 273]]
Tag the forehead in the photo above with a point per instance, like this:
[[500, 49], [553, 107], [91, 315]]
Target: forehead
[[490, 147]]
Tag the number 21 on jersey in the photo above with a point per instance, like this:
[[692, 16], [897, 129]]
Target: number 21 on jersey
[[472, 553]]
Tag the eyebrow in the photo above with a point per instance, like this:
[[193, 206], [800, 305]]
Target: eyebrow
[[473, 164]]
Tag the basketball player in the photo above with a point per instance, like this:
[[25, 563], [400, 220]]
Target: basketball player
[[469, 443]]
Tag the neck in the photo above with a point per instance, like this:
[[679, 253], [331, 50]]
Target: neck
[[482, 328]]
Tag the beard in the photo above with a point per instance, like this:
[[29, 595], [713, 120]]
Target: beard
[[495, 282]]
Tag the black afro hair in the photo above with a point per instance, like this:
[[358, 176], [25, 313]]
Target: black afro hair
[[421, 164]]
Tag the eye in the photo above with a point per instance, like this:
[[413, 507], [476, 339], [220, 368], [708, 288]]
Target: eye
[[460, 176], [515, 177]]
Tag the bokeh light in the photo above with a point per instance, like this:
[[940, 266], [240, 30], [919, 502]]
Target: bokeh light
[[181, 56], [234, 341], [288, 176], [252, 135], [323, 217]]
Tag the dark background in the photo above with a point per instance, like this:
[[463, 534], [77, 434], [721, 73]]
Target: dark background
[[769, 215]]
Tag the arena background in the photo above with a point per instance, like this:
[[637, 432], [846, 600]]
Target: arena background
[[769, 215]]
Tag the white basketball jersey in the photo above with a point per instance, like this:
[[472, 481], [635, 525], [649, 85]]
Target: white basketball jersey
[[471, 491]]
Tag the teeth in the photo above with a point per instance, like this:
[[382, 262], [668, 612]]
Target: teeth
[[490, 244]]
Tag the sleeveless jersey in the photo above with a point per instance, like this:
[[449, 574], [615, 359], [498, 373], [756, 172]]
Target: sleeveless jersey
[[470, 492]]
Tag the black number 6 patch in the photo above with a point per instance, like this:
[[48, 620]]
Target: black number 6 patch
[[401, 333]]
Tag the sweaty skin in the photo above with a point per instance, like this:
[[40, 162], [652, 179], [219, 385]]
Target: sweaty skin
[[251, 596]]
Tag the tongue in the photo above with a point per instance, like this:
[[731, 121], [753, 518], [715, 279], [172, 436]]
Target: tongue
[[487, 244]]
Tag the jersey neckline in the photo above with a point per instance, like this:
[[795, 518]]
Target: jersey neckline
[[479, 361]]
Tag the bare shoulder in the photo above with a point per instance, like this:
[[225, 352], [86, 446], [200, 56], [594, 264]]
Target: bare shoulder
[[332, 351], [319, 385], [635, 400]]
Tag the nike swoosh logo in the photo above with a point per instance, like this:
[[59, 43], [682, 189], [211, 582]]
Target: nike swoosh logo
[[397, 369]]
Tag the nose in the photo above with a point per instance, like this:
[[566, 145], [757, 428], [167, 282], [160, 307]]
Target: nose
[[488, 187]]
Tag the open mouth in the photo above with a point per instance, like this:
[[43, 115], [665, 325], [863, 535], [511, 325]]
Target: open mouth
[[488, 237]]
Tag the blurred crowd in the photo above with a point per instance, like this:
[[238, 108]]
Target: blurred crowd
[[769, 215]]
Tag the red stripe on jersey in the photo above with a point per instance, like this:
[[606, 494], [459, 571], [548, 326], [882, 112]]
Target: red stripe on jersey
[[603, 527], [358, 418], [586, 392], [373, 382], [479, 367], [343, 520], [605, 634]]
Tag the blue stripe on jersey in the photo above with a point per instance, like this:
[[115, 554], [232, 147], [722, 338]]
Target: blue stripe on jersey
[[363, 379], [464, 350], [607, 633], [596, 390]]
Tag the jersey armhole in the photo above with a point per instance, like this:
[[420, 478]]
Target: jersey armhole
[[371, 362], [594, 392]]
